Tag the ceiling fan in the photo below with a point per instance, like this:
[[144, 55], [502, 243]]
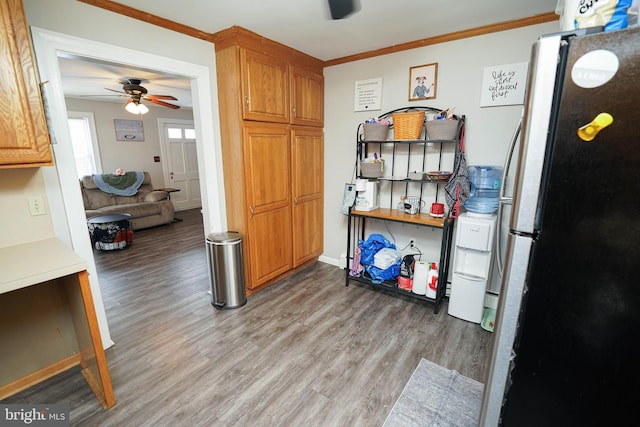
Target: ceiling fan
[[136, 93], [342, 8]]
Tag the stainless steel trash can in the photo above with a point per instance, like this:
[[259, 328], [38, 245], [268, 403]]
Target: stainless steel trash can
[[226, 273]]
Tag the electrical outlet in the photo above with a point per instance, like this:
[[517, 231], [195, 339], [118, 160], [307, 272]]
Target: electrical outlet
[[411, 243], [36, 206]]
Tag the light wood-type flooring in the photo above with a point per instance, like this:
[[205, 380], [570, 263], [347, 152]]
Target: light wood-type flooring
[[306, 351]]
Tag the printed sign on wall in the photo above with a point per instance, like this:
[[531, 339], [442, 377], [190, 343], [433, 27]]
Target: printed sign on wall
[[504, 84], [368, 95]]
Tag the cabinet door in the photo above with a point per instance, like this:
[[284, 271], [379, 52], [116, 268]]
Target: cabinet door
[[24, 139], [268, 194], [265, 91], [307, 170], [307, 93]]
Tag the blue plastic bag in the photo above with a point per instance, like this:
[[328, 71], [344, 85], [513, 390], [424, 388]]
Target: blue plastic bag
[[371, 246], [378, 276], [368, 250]]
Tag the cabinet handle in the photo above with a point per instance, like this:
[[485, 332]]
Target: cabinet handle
[[295, 202], [293, 109], [246, 102], [250, 212]]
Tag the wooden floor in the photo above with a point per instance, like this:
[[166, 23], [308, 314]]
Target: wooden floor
[[307, 351]]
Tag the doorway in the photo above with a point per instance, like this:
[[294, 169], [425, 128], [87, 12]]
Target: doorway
[[61, 182]]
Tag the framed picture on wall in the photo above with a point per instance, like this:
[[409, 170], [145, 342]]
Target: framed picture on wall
[[129, 130], [423, 82]]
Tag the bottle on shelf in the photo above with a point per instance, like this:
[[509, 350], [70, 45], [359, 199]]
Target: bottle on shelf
[[420, 274], [432, 280]]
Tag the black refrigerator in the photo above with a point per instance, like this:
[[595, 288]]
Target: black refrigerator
[[566, 342]]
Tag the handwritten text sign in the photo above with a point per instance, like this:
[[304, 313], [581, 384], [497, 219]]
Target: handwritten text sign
[[368, 95], [504, 84]]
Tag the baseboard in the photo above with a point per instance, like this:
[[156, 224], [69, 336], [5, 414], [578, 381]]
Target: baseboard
[[328, 260]]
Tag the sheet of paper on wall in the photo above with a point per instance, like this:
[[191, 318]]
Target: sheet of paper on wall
[[504, 84], [368, 95]]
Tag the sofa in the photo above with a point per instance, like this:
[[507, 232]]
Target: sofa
[[147, 207]]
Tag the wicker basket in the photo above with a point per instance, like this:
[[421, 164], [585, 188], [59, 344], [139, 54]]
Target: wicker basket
[[372, 170], [442, 129], [374, 132], [408, 125]]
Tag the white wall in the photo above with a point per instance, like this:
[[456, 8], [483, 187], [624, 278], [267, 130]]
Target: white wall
[[17, 225], [460, 67], [128, 155]]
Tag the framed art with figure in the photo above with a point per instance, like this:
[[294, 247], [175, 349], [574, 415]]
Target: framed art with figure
[[423, 82]]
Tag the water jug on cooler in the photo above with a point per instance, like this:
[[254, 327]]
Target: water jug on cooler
[[485, 189]]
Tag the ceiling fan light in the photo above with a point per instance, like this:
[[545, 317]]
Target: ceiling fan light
[[133, 108], [136, 108]]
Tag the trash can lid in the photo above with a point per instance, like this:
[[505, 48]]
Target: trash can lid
[[224, 237]]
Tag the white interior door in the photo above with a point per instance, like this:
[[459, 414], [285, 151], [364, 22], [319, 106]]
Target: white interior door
[[180, 162]]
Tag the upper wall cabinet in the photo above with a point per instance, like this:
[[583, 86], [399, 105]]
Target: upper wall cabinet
[[307, 90], [265, 82], [24, 138]]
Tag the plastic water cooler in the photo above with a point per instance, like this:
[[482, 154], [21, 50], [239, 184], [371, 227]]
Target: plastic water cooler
[[472, 265]]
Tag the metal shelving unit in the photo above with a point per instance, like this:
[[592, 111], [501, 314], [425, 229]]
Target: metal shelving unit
[[416, 152]]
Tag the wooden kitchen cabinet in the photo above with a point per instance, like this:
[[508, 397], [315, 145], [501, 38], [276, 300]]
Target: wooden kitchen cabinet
[[24, 138], [265, 81], [307, 177], [268, 197], [307, 88], [271, 101]]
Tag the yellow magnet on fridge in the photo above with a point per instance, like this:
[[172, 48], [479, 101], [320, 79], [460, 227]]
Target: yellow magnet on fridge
[[589, 131]]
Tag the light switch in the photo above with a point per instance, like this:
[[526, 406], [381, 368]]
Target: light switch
[[36, 206]]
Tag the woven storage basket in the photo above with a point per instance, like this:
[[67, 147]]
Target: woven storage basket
[[374, 131], [442, 129], [408, 125], [372, 170]]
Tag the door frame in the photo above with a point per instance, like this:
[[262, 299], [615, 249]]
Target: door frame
[[61, 183]]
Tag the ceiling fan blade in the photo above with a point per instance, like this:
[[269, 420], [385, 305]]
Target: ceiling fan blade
[[342, 8], [169, 97], [164, 104], [117, 91]]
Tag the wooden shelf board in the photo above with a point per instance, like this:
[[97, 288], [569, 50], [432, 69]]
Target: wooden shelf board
[[400, 216]]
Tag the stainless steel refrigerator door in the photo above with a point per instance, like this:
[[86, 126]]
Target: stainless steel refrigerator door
[[535, 132], [508, 312], [577, 353], [533, 143]]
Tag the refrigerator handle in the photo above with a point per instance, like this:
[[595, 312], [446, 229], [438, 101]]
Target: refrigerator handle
[[503, 199], [507, 162]]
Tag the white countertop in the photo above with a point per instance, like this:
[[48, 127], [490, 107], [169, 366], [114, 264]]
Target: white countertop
[[36, 262]]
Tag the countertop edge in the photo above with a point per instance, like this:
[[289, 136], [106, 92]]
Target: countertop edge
[[36, 262]]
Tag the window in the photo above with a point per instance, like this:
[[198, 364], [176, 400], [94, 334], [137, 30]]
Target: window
[[177, 132], [85, 143]]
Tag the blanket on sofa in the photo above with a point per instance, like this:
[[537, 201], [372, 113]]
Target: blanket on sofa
[[120, 185]]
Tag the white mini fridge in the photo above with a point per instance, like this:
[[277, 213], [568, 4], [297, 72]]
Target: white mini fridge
[[472, 265]]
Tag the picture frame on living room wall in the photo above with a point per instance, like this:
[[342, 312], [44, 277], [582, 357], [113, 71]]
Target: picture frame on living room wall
[[129, 130], [423, 82]]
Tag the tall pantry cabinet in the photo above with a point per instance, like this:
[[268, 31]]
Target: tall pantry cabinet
[[271, 101]]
